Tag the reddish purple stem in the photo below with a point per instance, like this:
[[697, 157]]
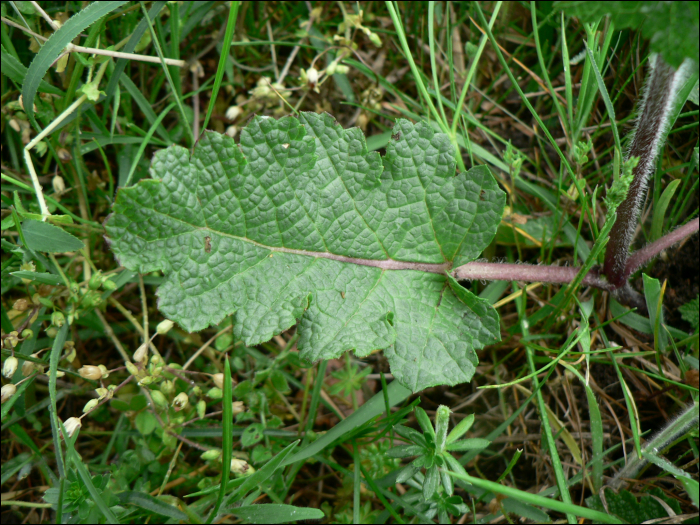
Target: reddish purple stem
[[566, 274]]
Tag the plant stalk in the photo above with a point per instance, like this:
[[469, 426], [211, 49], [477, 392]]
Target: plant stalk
[[566, 274], [656, 104]]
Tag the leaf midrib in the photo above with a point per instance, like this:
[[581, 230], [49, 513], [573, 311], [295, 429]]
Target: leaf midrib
[[384, 264]]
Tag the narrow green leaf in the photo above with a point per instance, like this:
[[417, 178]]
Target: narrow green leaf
[[130, 46], [56, 351], [45, 237], [225, 53], [146, 142], [537, 500], [146, 108], [44, 278], [275, 513], [425, 424], [151, 504], [372, 408], [606, 98], [461, 429], [692, 488], [653, 297], [468, 444], [15, 70], [55, 45], [227, 423], [657, 222]]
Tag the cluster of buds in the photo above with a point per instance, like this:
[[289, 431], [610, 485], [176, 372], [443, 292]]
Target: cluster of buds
[[355, 21], [146, 373], [266, 92]]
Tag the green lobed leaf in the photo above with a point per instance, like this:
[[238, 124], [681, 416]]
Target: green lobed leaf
[[299, 222], [670, 27]]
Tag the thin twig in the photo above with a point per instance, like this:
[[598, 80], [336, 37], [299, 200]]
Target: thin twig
[[45, 16], [204, 347], [295, 50], [72, 48]]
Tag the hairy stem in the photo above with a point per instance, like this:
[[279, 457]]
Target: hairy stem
[[657, 102], [639, 258], [526, 272], [566, 274]]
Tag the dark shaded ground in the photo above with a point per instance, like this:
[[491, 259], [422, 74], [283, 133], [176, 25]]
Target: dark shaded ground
[[681, 270]]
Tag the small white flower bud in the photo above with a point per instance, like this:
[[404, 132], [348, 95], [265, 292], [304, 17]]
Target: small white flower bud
[[312, 76], [215, 393], [233, 112], [211, 454], [218, 380], [167, 387], [181, 401], [164, 326], [238, 407], [101, 392], [72, 424], [8, 391], [90, 405], [238, 466], [158, 398], [147, 380], [20, 305], [232, 131], [90, 372], [141, 353], [27, 368], [10, 367], [131, 367], [59, 186]]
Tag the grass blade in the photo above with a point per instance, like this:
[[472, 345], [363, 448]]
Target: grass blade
[[657, 223], [151, 504], [606, 98], [537, 500], [225, 50], [166, 70], [227, 445], [372, 408]]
